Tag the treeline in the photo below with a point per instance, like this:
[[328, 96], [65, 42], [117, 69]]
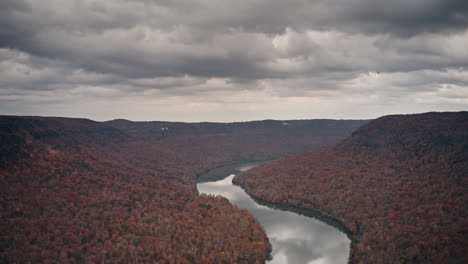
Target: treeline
[[79, 191], [399, 183]]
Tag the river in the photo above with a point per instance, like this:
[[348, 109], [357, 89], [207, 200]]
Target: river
[[295, 239]]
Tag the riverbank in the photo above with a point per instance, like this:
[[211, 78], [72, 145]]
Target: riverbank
[[321, 216], [224, 170], [355, 237], [298, 235], [221, 171]]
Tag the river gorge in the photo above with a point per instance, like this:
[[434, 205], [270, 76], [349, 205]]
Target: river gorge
[[295, 238]]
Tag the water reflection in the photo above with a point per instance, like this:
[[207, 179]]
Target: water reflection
[[295, 239]]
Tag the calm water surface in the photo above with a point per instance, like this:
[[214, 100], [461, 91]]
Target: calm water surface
[[295, 239]]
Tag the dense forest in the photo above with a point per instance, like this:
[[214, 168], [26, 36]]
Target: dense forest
[[80, 191], [398, 183]]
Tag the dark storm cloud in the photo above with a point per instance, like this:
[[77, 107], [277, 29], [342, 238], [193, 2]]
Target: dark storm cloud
[[296, 48], [399, 17], [140, 39], [402, 17]]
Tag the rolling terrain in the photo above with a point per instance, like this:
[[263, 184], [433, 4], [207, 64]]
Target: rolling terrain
[[398, 184], [80, 191]]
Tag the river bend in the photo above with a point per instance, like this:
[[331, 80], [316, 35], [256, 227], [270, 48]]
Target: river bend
[[295, 239]]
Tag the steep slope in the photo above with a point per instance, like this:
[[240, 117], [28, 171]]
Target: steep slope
[[76, 190], [399, 184]]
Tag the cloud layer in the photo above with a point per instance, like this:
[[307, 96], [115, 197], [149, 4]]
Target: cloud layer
[[222, 60]]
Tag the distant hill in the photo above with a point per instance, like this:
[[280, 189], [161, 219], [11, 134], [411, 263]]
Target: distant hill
[[398, 183], [76, 190]]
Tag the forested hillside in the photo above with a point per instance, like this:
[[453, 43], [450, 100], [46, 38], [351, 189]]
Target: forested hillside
[[80, 191], [399, 184]]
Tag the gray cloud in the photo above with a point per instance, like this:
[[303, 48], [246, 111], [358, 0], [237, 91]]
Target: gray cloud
[[56, 54]]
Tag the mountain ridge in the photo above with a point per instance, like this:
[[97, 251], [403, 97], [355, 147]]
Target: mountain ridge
[[77, 190], [398, 183]]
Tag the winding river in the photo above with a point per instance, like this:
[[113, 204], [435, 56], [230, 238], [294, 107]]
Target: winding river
[[295, 239]]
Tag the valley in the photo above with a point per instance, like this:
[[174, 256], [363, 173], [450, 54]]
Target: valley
[[76, 190]]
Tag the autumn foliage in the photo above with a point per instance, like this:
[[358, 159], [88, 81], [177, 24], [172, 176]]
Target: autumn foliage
[[79, 191], [399, 184]]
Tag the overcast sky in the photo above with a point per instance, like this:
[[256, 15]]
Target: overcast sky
[[226, 60]]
